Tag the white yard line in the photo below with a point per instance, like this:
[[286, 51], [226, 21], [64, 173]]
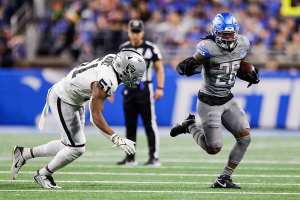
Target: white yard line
[[144, 191], [166, 167], [156, 174], [179, 160], [137, 182]]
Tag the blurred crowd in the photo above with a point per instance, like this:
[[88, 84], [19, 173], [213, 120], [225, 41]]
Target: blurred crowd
[[82, 30]]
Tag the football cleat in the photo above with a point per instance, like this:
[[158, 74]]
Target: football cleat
[[45, 181], [153, 162], [17, 161], [224, 181], [127, 161], [182, 127]]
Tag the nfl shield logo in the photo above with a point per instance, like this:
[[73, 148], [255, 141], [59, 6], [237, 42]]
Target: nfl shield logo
[[242, 54], [135, 23]]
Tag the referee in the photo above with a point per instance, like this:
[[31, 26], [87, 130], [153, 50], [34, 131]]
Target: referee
[[141, 100]]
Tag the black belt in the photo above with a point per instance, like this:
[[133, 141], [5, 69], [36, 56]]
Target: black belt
[[213, 100]]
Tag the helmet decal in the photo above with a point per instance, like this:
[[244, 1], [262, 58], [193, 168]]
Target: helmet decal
[[130, 68]]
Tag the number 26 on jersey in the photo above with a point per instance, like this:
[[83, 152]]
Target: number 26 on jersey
[[228, 77]]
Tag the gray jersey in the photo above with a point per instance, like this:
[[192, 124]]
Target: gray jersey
[[219, 74]]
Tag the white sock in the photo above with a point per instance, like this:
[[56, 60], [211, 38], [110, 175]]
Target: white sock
[[46, 150], [63, 158], [43, 171], [26, 154]]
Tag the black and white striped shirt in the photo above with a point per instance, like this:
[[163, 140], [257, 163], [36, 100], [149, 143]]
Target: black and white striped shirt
[[150, 52]]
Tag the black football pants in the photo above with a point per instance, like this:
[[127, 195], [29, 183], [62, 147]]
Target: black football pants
[[138, 102]]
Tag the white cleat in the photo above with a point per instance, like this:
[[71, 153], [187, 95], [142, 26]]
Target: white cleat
[[45, 181], [17, 161]]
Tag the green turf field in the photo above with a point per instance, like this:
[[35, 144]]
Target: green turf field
[[269, 170]]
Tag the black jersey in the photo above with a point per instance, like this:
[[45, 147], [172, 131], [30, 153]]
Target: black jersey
[[151, 54]]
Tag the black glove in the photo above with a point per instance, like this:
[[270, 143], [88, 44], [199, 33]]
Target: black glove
[[188, 67], [252, 79]]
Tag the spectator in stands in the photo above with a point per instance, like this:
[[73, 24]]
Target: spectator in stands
[[278, 49], [292, 49], [259, 52], [143, 10], [135, 14], [6, 58], [58, 11], [173, 30], [272, 65], [86, 26], [155, 19]]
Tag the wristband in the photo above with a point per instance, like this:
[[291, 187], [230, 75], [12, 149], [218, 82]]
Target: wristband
[[160, 88], [113, 137]]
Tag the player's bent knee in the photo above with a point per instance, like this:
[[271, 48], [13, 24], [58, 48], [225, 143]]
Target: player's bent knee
[[244, 133], [245, 140], [77, 151], [213, 151]]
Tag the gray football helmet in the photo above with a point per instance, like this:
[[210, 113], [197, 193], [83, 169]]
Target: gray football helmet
[[130, 67]]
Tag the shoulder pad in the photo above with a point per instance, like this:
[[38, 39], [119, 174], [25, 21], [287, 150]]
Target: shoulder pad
[[204, 48], [244, 42]]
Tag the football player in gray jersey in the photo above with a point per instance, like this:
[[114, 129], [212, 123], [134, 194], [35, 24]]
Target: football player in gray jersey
[[220, 53], [94, 81]]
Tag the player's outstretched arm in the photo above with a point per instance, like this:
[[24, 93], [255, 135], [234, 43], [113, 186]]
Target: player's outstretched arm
[[188, 66], [97, 119]]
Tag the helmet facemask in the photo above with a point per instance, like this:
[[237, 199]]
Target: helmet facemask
[[227, 39], [134, 79]]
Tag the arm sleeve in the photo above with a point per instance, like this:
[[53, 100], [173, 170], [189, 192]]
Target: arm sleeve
[[203, 50]]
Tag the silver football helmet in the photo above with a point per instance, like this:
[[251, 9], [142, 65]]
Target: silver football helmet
[[130, 67]]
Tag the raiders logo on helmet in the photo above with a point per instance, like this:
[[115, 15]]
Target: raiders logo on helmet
[[130, 68]]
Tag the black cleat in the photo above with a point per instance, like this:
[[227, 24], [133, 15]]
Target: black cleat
[[127, 161], [224, 181], [182, 127], [153, 162]]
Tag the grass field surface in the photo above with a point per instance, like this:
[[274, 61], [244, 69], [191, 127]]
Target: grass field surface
[[269, 170]]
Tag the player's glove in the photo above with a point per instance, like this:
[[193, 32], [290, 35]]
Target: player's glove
[[124, 144], [252, 79], [188, 67]]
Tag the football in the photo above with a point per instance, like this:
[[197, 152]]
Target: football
[[245, 68]]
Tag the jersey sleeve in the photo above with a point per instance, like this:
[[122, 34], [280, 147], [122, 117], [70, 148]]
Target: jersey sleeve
[[156, 54], [107, 85], [202, 48]]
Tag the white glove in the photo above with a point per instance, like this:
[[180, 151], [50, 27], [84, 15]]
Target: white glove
[[124, 144]]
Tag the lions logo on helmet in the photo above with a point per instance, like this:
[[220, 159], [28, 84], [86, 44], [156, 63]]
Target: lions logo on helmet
[[225, 23], [130, 67]]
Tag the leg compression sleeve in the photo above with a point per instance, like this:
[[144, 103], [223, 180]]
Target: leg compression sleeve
[[198, 135], [65, 157], [239, 149]]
